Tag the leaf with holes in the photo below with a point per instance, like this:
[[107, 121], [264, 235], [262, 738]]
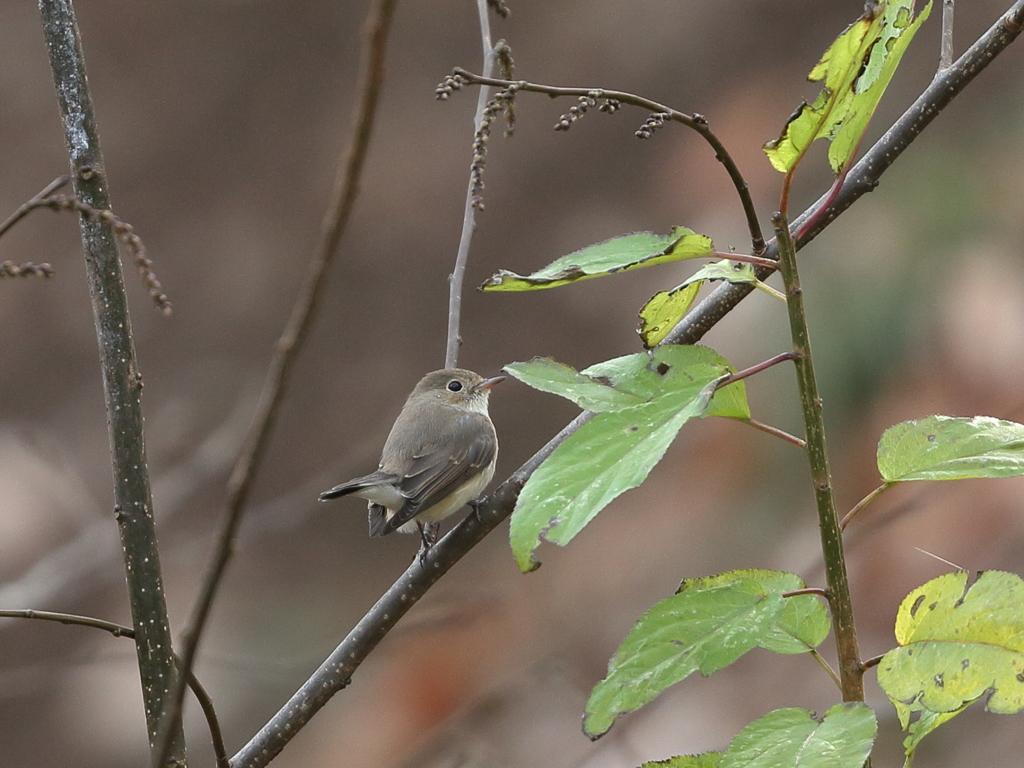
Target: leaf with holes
[[854, 72], [957, 645]]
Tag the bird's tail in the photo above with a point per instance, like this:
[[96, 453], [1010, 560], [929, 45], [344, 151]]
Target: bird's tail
[[358, 484]]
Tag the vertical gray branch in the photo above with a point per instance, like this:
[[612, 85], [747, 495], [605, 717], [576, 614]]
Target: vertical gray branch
[[122, 382], [457, 277]]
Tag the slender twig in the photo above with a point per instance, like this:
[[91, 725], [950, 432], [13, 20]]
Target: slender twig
[[946, 50], [863, 503], [775, 431], [808, 591], [371, 77], [765, 288], [817, 454], [827, 667], [865, 175], [697, 122], [747, 372], [757, 261], [458, 275], [338, 668], [119, 630], [122, 381], [30, 205]]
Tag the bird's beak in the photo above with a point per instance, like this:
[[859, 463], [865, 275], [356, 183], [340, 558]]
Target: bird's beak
[[491, 382]]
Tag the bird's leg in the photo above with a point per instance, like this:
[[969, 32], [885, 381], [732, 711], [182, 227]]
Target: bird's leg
[[475, 505], [428, 537]]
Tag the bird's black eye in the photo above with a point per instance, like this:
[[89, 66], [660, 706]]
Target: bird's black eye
[[454, 385]]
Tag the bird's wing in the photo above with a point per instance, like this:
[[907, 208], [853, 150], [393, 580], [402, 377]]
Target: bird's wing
[[377, 515], [434, 474]]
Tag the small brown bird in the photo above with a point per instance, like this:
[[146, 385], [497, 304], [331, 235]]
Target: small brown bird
[[439, 456]]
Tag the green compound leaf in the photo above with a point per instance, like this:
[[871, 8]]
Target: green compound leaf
[[640, 249], [794, 738], [957, 645], [854, 72], [545, 374], [704, 760], [615, 451], [707, 625], [951, 448], [666, 308]]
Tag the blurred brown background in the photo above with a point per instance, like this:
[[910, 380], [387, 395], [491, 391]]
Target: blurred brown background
[[222, 123]]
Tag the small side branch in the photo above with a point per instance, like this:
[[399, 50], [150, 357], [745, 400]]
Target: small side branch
[[119, 630], [696, 122], [122, 230], [30, 206], [863, 503], [946, 51]]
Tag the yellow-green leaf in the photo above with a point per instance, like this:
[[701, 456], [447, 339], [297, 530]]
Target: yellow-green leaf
[[957, 645], [664, 311], [854, 71], [640, 249]]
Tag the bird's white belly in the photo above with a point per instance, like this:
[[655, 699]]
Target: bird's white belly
[[450, 505]]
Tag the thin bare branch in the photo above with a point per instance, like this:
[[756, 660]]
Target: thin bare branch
[[695, 121], [371, 78], [29, 206], [458, 275], [122, 381]]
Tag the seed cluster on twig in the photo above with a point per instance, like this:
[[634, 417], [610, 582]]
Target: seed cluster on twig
[[28, 269], [122, 230], [653, 123], [502, 103], [500, 7], [608, 106]]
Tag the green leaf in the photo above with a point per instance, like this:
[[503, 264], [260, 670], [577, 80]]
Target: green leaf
[[956, 646], [545, 374], [615, 451], [731, 271], [640, 249], [666, 308], [704, 760], [664, 311], [854, 71], [692, 631], [794, 738], [708, 624], [951, 448]]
